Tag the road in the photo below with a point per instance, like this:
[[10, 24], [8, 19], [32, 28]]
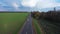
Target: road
[[27, 29]]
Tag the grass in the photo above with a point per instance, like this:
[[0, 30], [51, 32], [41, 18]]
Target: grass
[[10, 23], [37, 26]]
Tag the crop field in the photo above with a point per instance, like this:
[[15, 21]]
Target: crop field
[[10, 23], [37, 26]]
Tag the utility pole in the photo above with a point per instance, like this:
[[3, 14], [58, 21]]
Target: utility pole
[[54, 8]]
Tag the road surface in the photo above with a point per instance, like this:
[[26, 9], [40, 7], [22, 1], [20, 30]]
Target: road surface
[[27, 29]]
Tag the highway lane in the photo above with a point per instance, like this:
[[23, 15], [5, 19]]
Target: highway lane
[[27, 29]]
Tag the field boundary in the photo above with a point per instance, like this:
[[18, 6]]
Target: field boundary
[[13, 12]]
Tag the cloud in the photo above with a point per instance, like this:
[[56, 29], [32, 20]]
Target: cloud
[[40, 4], [29, 3], [15, 5], [9, 4], [2, 4], [47, 4], [33, 4], [2, 9]]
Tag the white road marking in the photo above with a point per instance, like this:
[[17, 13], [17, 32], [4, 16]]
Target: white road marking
[[26, 32], [27, 19], [32, 31]]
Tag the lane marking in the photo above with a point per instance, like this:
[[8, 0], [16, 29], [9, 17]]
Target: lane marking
[[27, 19], [32, 31], [26, 32]]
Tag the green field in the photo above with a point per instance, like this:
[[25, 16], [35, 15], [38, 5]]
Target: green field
[[10, 23], [37, 26]]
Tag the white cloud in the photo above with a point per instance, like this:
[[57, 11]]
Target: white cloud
[[47, 4], [15, 5], [29, 3], [40, 3]]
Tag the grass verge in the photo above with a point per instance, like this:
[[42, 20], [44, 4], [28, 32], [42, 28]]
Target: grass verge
[[37, 26]]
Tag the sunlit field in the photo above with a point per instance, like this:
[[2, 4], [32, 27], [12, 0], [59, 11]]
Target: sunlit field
[[10, 23]]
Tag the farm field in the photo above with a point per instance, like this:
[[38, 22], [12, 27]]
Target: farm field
[[10, 23], [37, 26]]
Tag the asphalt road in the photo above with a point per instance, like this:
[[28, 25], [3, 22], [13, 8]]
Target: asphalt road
[[27, 29]]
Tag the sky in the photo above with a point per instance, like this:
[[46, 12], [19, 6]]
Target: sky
[[29, 5]]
